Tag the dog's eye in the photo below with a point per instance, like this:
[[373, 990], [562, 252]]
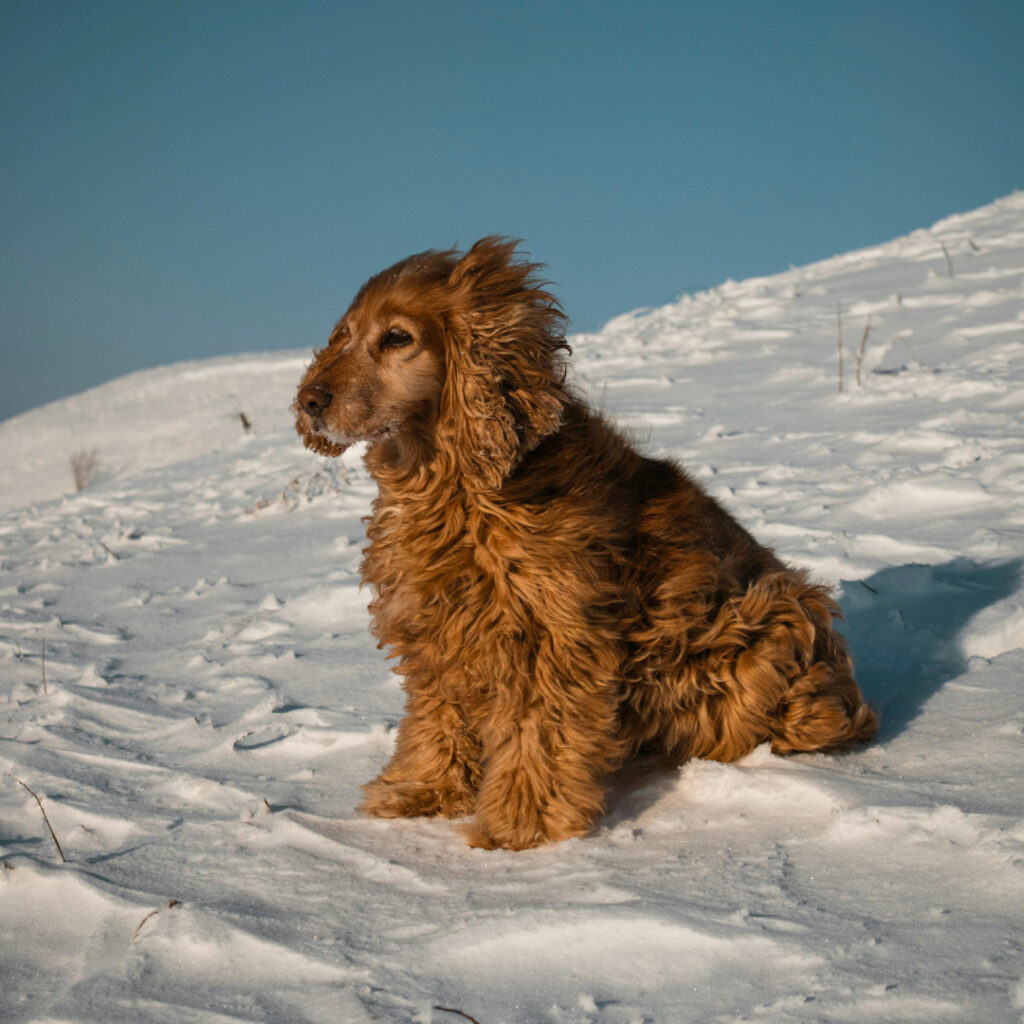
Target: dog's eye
[[340, 335], [395, 339]]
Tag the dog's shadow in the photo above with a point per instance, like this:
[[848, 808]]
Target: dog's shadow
[[904, 626]]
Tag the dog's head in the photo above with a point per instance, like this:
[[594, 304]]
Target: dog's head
[[442, 353]]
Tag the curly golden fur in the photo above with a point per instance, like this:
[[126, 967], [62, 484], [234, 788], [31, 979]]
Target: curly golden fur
[[557, 601]]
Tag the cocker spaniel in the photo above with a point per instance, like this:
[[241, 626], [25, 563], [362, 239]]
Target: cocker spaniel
[[557, 601]]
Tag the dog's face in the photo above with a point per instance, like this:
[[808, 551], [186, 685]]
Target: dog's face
[[380, 373], [444, 353]]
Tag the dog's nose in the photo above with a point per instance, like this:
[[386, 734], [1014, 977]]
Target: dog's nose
[[314, 398]]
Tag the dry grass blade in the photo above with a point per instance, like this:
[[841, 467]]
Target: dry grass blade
[[949, 260], [109, 551], [449, 1009], [860, 353], [913, 355], [151, 914], [85, 464], [56, 841], [839, 325]]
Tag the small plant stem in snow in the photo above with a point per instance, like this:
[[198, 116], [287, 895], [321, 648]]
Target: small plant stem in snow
[[913, 356], [85, 464], [839, 325], [860, 353], [56, 841], [151, 914], [448, 1009], [945, 251], [46, 689]]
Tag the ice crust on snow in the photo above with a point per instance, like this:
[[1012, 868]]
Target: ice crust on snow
[[213, 698]]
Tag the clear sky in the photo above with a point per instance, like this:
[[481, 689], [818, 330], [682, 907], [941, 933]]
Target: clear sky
[[182, 179]]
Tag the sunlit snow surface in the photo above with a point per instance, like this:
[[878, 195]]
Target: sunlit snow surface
[[213, 698]]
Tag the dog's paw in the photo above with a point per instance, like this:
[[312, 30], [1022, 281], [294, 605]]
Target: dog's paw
[[482, 836], [503, 820], [385, 799], [481, 839]]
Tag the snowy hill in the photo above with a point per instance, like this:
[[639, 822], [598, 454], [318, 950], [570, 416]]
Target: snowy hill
[[210, 698], [146, 420]]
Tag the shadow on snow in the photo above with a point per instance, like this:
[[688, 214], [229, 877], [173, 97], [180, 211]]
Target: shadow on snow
[[904, 626]]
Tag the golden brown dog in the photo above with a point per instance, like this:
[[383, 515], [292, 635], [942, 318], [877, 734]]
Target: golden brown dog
[[557, 600]]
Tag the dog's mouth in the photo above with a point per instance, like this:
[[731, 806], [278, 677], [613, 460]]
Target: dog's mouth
[[321, 444], [318, 437]]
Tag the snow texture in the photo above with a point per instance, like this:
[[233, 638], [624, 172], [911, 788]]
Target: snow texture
[[211, 700]]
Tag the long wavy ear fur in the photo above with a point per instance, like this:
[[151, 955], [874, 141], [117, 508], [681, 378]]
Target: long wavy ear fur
[[503, 392]]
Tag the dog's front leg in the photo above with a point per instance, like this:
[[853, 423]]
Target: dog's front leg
[[546, 758], [435, 768]]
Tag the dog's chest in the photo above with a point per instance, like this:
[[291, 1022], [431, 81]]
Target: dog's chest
[[431, 579]]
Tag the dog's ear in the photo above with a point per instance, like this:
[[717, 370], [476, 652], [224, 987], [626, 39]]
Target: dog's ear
[[503, 390]]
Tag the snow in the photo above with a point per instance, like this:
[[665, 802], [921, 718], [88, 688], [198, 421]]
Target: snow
[[213, 698]]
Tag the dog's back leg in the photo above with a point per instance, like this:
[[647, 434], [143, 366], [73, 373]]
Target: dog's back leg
[[766, 665]]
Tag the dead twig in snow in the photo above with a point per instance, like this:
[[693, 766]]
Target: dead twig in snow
[[449, 1009], [110, 551], [46, 689], [839, 326], [56, 841], [85, 463], [860, 353], [945, 251], [906, 345], [152, 913]]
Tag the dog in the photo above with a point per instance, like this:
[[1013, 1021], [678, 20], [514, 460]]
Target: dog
[[558, 602]]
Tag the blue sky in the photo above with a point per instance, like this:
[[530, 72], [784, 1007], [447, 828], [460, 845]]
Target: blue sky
[[189, 179]]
